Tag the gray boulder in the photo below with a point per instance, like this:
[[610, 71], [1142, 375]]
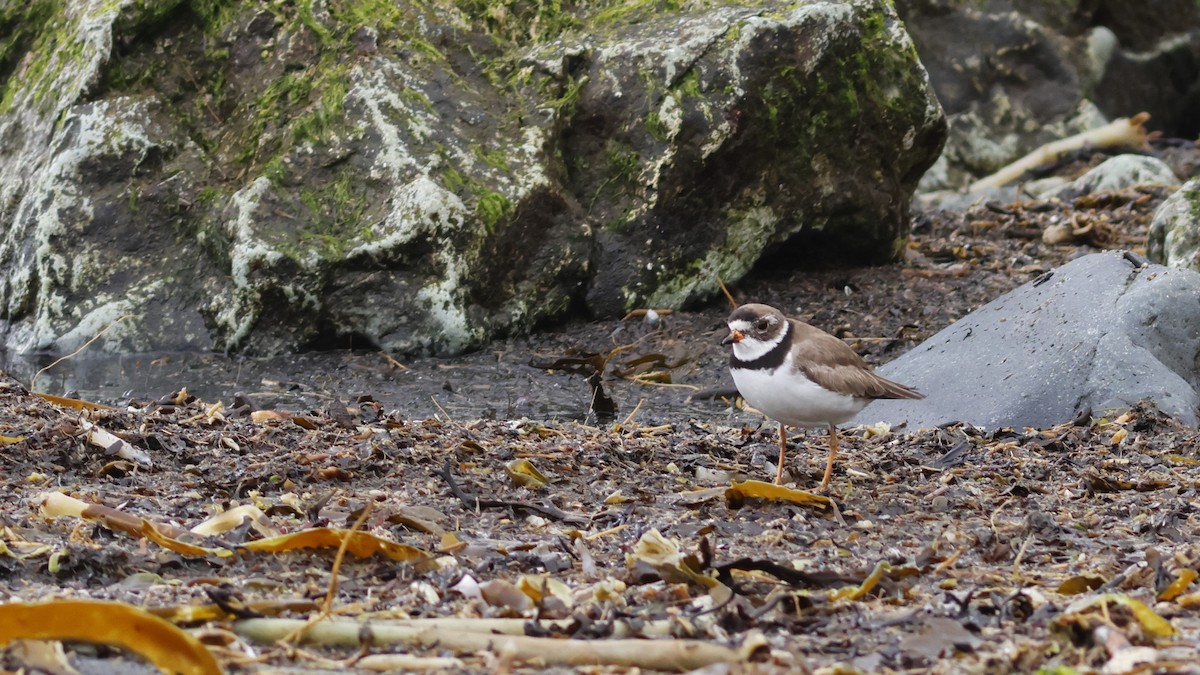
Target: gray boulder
[[1098, 333], [1115, 173], [1174, 238], [424, 178]]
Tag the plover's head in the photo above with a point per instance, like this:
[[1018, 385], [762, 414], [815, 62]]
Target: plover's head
[[754, 330]]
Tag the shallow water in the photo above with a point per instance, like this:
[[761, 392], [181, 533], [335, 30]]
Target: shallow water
[[483, 385]]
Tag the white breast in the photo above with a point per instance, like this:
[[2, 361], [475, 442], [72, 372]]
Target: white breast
[[788, 396]]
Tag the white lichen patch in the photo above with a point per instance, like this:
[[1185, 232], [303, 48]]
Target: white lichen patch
[[421, 207], [399, 111], [396, 119], [716, 138], [532, 150], [1177, 222], [696, 35], [424, 209], [250, 256], [116, 318], [444, 303], [670, 115], [821, 20], [748, 234], [42, 250], [82, 40], [676, 45]]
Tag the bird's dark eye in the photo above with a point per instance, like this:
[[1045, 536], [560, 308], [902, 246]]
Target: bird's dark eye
[[762, 325]]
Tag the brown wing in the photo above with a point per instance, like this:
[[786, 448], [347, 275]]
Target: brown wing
[[831, 363]]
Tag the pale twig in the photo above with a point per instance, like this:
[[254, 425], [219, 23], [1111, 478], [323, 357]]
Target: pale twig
[[643, 312], [642, 380], [97, 336], [439, 407], [728, 295], [633, 412], [949, 561], [605, 533], [394, 363], [327, 607], [1016, 571], [992, 518]]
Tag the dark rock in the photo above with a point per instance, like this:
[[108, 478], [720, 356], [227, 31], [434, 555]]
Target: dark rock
[[1157, 67], [1013, 75]]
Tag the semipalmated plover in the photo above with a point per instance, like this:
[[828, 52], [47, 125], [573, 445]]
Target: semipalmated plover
[[801, 376]]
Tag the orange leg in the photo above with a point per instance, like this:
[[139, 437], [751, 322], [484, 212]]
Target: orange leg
[[832, 456], [782, 451]]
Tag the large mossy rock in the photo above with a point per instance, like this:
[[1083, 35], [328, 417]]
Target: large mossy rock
[[427, 176], [1174, 238]]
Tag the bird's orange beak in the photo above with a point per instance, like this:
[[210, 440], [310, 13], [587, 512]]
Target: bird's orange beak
[[733, 338]]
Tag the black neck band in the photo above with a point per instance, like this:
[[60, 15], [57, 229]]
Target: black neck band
[[772, 359]]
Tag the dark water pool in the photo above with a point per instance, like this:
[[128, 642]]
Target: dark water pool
[[484, 385]]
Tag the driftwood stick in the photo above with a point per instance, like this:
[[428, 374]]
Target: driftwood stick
[[1124, 131], [667, 654], [502, 626], [407, 663]]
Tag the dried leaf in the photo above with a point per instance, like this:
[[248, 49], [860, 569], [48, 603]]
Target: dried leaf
[[617, 498], [14, 546], [1177, 587], [1153, 624], [738, 492], [38, 656], [10, 440], [113, 445], [267, 417], [501, 593], [525, 474], [113, 623], [868, 584], [201, 613], [150, 531], [233, 518], [653, 377], [539, 587], [1189, 600], [59, 505], [73, 403], [1080, 584], [305, 423], [940, 638], [450, 543], [362, 544], [655, 555], [421, 519]]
